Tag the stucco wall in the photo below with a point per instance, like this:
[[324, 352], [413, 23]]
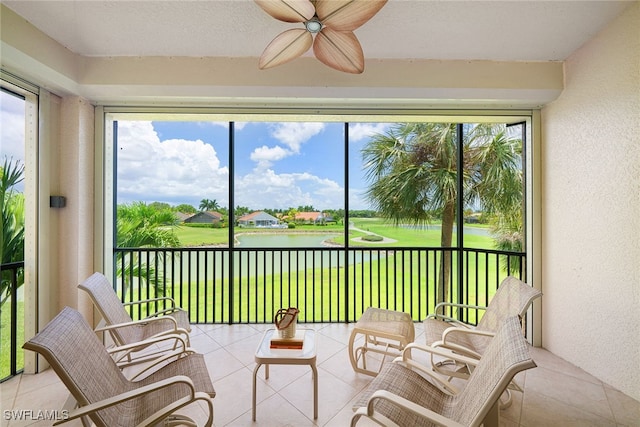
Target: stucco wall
[[75, 156], [591, 208]]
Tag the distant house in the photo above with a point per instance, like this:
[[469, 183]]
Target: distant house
[[473, 218], [310, 217], [182, 217], [258, 219], [206, 217]]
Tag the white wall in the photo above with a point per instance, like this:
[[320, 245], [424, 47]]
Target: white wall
[[591, 211], [229, 82], [75, 157]]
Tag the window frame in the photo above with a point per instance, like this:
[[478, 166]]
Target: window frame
[[106, 115]]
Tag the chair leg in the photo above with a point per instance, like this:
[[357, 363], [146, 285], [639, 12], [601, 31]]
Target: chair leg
[[493, 417], [70, 404], [505, 399]]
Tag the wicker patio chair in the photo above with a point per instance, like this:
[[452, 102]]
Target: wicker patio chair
[[401, 395], [123, 329], [512, 298], [101, 391]]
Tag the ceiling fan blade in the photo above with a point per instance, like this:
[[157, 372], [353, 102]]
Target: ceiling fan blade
[[285, 47], [347, 15], [340, 50], [288, 10]]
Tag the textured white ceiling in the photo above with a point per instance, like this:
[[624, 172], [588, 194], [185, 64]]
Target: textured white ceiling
[[415, 29]]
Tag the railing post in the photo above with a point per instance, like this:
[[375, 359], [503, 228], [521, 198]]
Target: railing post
[[231, 221], [460, 221], [346, 226], [14, 321]]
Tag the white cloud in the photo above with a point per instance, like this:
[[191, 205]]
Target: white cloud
[[294, 134], [359, 131], [173, 171], [12, 127], [264, 188], [265, 156], [183, 171]]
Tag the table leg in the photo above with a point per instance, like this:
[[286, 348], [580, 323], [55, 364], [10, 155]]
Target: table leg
[[255, 374], [315, 391]]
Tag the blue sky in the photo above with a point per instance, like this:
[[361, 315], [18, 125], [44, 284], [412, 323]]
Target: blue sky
[[12, 129], [277, 164]]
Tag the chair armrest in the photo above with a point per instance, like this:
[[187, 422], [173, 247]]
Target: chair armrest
[[154, 419], [121, 352], [437, 351], [409, 406], [448, 343], [407, 360], [176, 354], [451, 320], [455, 330], [163, 312], [173, 307], [421, 369], [442, 305], [144, 301], [142, 322], [159, 338], [119, 398]]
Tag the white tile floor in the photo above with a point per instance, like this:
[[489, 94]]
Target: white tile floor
[[555, 393]]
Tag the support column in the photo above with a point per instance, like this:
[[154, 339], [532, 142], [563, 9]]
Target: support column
[[75, 244]]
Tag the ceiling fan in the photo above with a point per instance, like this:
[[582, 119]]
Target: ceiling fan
[[328, 26]]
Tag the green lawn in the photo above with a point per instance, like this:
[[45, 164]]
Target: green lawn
[[199, 236], [312, 290], [203, 236], [404, 236]]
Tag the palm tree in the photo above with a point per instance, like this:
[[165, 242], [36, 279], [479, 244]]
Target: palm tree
[[142, 226], [209, 205], [412, 170], [12, 235]]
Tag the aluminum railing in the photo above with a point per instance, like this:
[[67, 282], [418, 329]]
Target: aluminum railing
[[326, 284], [11, 323]]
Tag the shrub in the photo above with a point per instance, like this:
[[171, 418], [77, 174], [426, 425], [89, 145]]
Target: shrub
[[204, 225], [372, 238]]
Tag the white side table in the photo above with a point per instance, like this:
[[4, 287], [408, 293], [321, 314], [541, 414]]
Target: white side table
[[270, 356]]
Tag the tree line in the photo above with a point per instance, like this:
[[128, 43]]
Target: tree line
[[212, 205]]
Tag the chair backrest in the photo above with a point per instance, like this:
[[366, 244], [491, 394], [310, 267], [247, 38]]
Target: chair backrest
[[81, 362], [506, 355], [512, 298], [110, 307]]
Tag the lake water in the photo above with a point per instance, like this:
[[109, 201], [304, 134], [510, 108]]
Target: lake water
[[281, 240], [272, 260]]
